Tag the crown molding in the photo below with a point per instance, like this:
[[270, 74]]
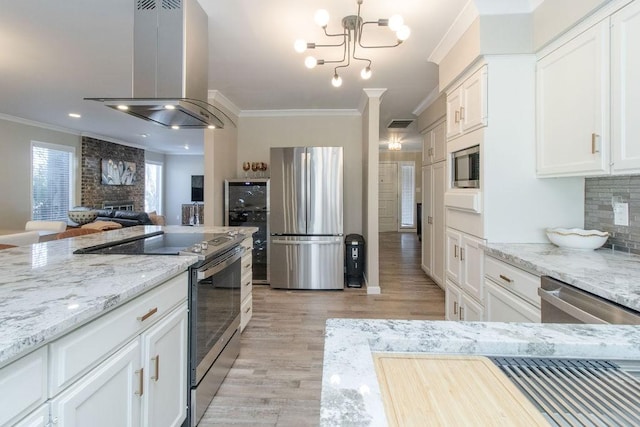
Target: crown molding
[[300, 112], [426, 102], [219, 98], [34, 123], [463, 21], [374, 92]]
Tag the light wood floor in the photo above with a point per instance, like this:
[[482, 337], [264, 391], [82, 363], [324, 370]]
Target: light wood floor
[[277, 378]]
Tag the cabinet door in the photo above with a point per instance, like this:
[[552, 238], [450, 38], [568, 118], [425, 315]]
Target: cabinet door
[[439, 142], [454, 102], [625, 87], [504, 306], [473, 110], [107, 396], [38, 418], [472, 260], [164, 400], [452, 257], [438, 187], [427, 148], [470, 310], [572, 117], [452, 296], [427, 219]]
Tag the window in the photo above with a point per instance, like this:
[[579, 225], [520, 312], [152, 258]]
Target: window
[[51, 181], [153, 187], [407, 195]]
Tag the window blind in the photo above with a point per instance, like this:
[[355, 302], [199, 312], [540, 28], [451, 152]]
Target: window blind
[[51, 172]]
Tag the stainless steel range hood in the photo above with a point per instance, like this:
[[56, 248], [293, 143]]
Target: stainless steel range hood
[[170, 66]]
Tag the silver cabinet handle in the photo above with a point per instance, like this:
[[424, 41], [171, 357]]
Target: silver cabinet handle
[[461, 254], [455, 251], [304, 242], [140, 373], [461, 113], [430, 220], [594, 143], [455, 307], [461, 313], [247, 310], [156, 359], [149, 314], [506, 279], [457, 118]]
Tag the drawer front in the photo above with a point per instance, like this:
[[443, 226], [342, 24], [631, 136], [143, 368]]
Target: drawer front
[[23, 386], [77, 352], [246, 281], [514, 279], [247, 243], [246, 311], [504, 306], [37, 418]]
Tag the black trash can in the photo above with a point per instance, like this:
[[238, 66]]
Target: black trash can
[[354, 260]]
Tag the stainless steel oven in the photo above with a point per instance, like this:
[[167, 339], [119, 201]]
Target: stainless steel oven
[[214, 321], [465, 168]]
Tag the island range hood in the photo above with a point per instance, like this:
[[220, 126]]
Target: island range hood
[[170, 66]]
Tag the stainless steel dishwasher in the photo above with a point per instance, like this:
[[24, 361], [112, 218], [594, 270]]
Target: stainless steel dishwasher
[[563, 303]]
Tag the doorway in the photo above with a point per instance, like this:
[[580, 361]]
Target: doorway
[[397, 196]]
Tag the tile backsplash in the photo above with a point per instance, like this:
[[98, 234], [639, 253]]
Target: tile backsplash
[[599, 211]]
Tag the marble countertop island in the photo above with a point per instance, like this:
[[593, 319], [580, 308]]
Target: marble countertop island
[[350, 390], [612, 275], [46, 290]]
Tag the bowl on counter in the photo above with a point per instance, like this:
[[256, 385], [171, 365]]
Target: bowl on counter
[[82, 215], [577, 238]]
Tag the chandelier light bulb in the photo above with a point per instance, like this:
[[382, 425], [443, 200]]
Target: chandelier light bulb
[[336, 81], [396, 22], [403, 33], [321, 17], [366, 73], [310, 62], [300, 45]]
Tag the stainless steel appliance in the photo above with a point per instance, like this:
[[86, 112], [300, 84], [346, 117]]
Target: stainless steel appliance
[[306, 218], [465, 168], [563, 303], [246, 204], [214, 303]]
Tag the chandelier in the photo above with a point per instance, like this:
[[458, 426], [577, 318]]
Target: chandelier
[[350, 40], [395, 145]]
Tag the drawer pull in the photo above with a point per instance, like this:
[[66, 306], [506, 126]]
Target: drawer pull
[[247, 266], [594, 143], [461, 254], [140, 373], [506, 279], [455, 307], [455, 251], [248, 283], [457, 117], [156, 359], [149, 314], [461, 313], [247, 310], [461, 113]]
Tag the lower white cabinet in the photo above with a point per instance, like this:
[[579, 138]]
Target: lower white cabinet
[[37, 418], [459, 306], [433, 234], [246, 300], [502, 305]]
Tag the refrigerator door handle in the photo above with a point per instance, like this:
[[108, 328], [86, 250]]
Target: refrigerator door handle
[[305, 242]]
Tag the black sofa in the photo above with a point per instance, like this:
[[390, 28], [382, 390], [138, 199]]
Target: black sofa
[[124, 218]]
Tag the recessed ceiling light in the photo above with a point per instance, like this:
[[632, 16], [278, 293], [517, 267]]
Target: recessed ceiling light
[[75, 115], [175, 127], [170, 107], [144, 135], [123, 107], [186, 146], [211, 127]]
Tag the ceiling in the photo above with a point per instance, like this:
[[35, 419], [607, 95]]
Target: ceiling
[[54, 54]]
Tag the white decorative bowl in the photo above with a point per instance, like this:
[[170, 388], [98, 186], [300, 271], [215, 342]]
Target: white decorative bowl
[[82, 216], [577, 238]]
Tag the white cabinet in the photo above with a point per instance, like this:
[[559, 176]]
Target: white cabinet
[[467, 105], [434, 144], [572, 92], [625, 90], [108, 396], [23, 386], [510, 293], [459, 306], [246, 300], [37, 418], [433, 229], [165, 367]]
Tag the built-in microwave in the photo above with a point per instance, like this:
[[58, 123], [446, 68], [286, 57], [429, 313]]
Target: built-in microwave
[[466, 168]]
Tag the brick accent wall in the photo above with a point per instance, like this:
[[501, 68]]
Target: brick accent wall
[[599, 212], [93, 191]]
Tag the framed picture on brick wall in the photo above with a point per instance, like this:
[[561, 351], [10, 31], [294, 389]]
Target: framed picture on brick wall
[[118, 172]]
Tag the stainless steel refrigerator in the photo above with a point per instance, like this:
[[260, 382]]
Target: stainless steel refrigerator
[[306, 245]]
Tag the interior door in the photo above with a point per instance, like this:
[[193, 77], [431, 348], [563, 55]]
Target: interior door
[[388, 197]]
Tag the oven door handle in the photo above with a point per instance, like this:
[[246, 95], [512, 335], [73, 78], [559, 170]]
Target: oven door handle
[[552, 298], [221, 265]]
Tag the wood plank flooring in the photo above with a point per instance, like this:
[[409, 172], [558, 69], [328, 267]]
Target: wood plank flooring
[[277, 378]]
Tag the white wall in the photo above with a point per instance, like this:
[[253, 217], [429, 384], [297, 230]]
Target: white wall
[[220, 163], [256, 135], [178, 171], [15, 168]]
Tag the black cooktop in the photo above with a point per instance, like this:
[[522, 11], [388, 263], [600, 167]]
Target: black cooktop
[[157, 243]]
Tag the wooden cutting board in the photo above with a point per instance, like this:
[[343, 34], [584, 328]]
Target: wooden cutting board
[[447, 390]]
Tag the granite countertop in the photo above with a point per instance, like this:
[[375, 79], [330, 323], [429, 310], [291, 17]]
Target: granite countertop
[[350, 390], [46, 290], [612, 275]]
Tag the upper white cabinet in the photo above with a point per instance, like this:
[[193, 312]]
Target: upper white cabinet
[[625, 90], [588, 100], [573, 106], [434, 145], [433, 230], [467, 104]]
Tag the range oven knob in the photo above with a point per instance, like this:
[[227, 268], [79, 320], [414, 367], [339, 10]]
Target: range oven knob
[[204, 245], [197, 248]]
